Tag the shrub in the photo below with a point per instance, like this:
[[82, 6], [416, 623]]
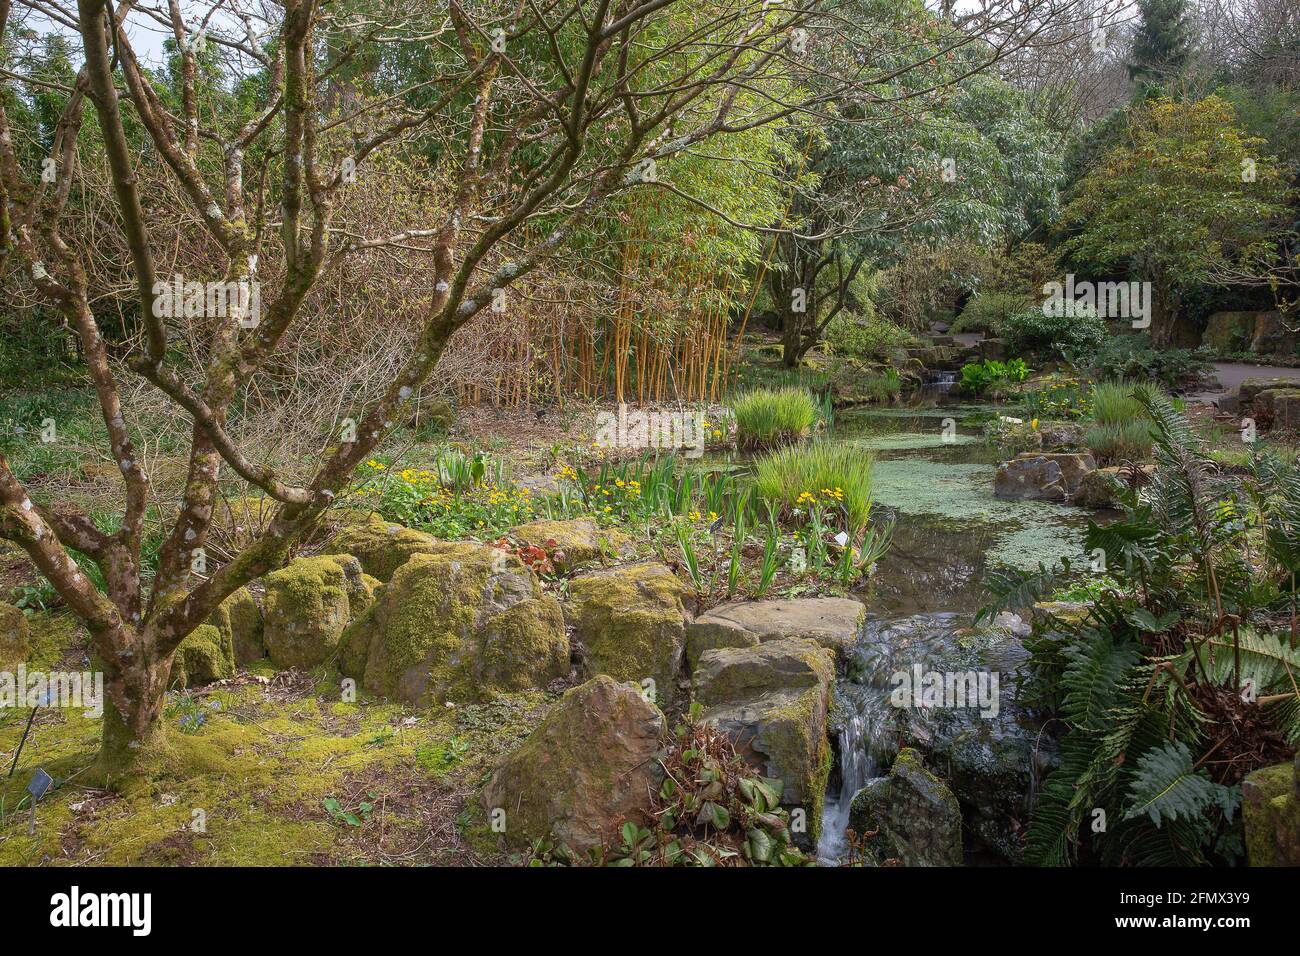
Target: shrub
[[988, 312], [865, 336], [980, 377], [1111, 444], [1132, 357], [782, 476], [1113, 403], [1074, 338], [766, 417]]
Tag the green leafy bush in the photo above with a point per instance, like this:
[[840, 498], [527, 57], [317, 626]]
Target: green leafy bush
[[1132, 357], [865, 336], [988, 312], [766, 417], [1064, 400], [1073, 338], [980, 377], [1144, 682]]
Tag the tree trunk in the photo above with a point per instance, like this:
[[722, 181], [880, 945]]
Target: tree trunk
[[133, 727], [791, 339]]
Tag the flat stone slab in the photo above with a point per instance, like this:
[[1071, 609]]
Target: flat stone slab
[[830, 622]]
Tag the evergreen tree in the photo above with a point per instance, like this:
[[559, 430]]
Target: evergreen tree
[[1165, 42]]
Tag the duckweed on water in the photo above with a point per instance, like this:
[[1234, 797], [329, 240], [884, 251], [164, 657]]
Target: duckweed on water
[[1033, 530]]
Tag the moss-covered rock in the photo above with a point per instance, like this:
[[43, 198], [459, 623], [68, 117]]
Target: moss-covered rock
[[206, 655], [912, 813], [309, 603], [589, 766], [830, 622], [772, 700], [239, 618], [13, 637], [631, 625], [1251, 387], [576, 541], [382, 546], [465, 624], [1270, 800]]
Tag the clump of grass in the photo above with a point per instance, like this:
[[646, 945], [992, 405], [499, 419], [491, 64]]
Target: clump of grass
[[768, 417], [837, 476], [1121, 430]]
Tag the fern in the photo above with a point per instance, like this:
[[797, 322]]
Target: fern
[[1093, 681], [1166, 787], [1013, 589]]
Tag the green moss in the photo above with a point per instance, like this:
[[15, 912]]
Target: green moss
[[382, 546], [462, 625], [14, 637], [308, 605], [631, 623], [1271, 816], [259, 769], [239, 618], [206, 655], [51, 638]]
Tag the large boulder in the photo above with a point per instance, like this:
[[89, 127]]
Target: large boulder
[[461, 625], [1228, 332], [14, 637], [910, 814], [382, 546], [830, 622], [1101, 488], [1251, 387], [630, 624], [1273, 336], [204, 656], [772, 699], [239, 618], [308, 604], [1049, 476], [1279, 406], [576, 541], [592, 764], [1270, 801]]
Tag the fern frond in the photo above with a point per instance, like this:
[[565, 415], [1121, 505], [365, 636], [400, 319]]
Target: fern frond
[[1166, 787]]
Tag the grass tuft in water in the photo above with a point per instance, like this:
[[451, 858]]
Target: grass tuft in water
[[782, 476], [767, 417]]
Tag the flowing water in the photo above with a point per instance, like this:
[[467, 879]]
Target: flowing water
[[933, 476]]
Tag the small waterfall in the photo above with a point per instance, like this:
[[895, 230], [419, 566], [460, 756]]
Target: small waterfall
[[868, 724], [857, 766]]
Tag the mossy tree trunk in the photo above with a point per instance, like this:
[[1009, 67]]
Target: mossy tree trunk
[[134, 700]]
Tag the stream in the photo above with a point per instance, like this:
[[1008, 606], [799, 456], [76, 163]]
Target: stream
[[933, 476]]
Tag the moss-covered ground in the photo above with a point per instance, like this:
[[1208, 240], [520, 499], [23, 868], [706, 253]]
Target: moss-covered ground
[[263, 769]]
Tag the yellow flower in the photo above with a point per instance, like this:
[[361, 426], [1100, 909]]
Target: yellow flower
[[1034, 423], [694, 516]]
